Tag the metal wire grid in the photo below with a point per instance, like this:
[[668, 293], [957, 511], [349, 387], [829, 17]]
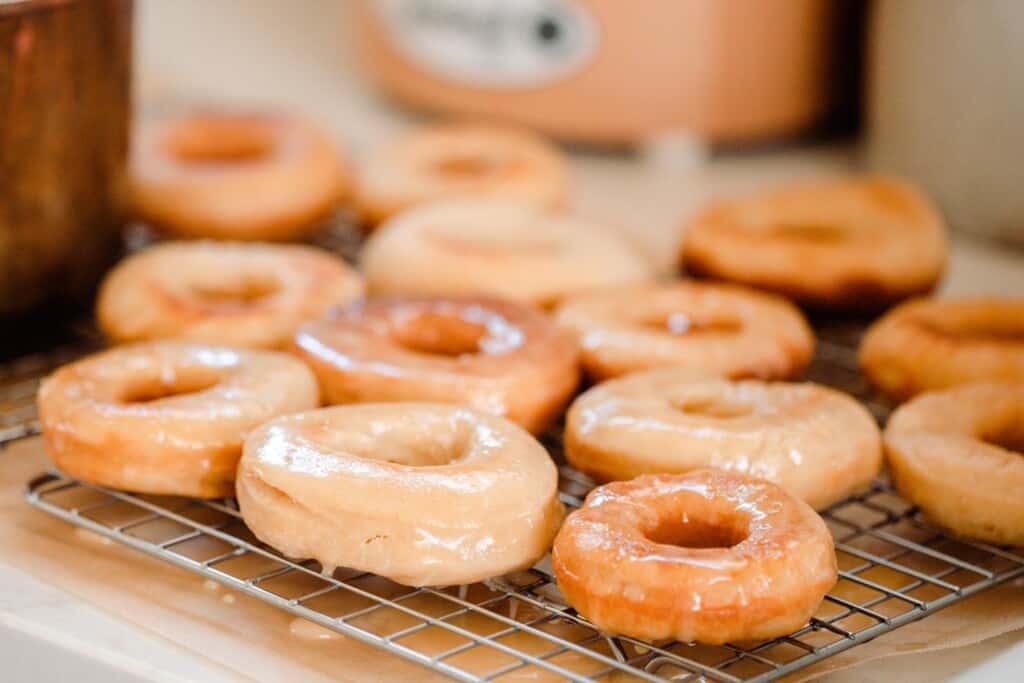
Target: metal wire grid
[[20, 378], [19, 381], [895, 568]]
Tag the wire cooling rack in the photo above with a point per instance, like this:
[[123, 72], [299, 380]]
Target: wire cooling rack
[[19, 379], [895, 568]]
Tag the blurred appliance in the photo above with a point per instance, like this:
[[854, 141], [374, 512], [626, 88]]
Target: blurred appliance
[[613, 72], [945, 106], [64, 117]]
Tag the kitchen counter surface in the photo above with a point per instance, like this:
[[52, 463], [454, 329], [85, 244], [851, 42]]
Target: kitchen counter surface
[[193, 51]]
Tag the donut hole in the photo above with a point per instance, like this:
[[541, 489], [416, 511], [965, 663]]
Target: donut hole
[[497, 244], [717, 407], [1009, 437], [428, 454], [993, 329], [470, 166], [240, 291], [688, 532], [209, 139], [168, 385], [440, 335], [821, 233], [683, 323], [449, 442]]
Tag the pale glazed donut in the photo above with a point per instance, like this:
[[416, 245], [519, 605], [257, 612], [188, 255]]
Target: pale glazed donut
[[461, 161], [959, 455], [495, 356], [166, 417], [937, 343], [236, 294], [854, 243], [495, 247], [723, 330], [421, 493], [709, 556], [817, 443], [241, 175]]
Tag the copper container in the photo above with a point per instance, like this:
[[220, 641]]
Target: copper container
[[64, 121], [610, 72]]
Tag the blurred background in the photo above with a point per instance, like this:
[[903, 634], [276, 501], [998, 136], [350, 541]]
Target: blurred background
[[662, 109], [928, 88]]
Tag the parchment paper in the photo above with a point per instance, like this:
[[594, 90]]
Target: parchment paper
[[254, 640]]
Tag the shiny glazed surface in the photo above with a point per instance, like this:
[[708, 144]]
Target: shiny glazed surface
[[959, 455], [719, 329], [708, 556], [817, 443], [453, 161], [953, 341], [853, 243], [253, 295], [236, 175], [495, 356], [501, 248], [166, 417], [421, 493]]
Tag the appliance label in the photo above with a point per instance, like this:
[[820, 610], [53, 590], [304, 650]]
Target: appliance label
[[492, 43]]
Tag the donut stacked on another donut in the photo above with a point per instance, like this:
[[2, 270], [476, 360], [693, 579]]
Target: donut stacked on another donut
[[854, 243], [166, 417], [236, 175], [422, 493], [709, 556], [723, 330], [938, 343], [461, 161], [959, 455], [251, 295], [496, 356], [817, 443], [507, 249]]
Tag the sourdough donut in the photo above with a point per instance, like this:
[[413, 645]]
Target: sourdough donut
[[166, 417], [959, 455], [461, 161], [495, 356], [817, 443], [236, 294], [855, 243], [421, 493], [723, 330], [505, 249], [236, 176], [709, 556], [937, 343]]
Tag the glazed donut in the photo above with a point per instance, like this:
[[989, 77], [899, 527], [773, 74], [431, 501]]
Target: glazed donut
[[494, 247], [236, 176], [855, 243], [723, 330], [937, 343], [166, 417], [959, 455], [461, 161], [420, 493], [492, 355], [817, 443], [709, 556], [236, 294]]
